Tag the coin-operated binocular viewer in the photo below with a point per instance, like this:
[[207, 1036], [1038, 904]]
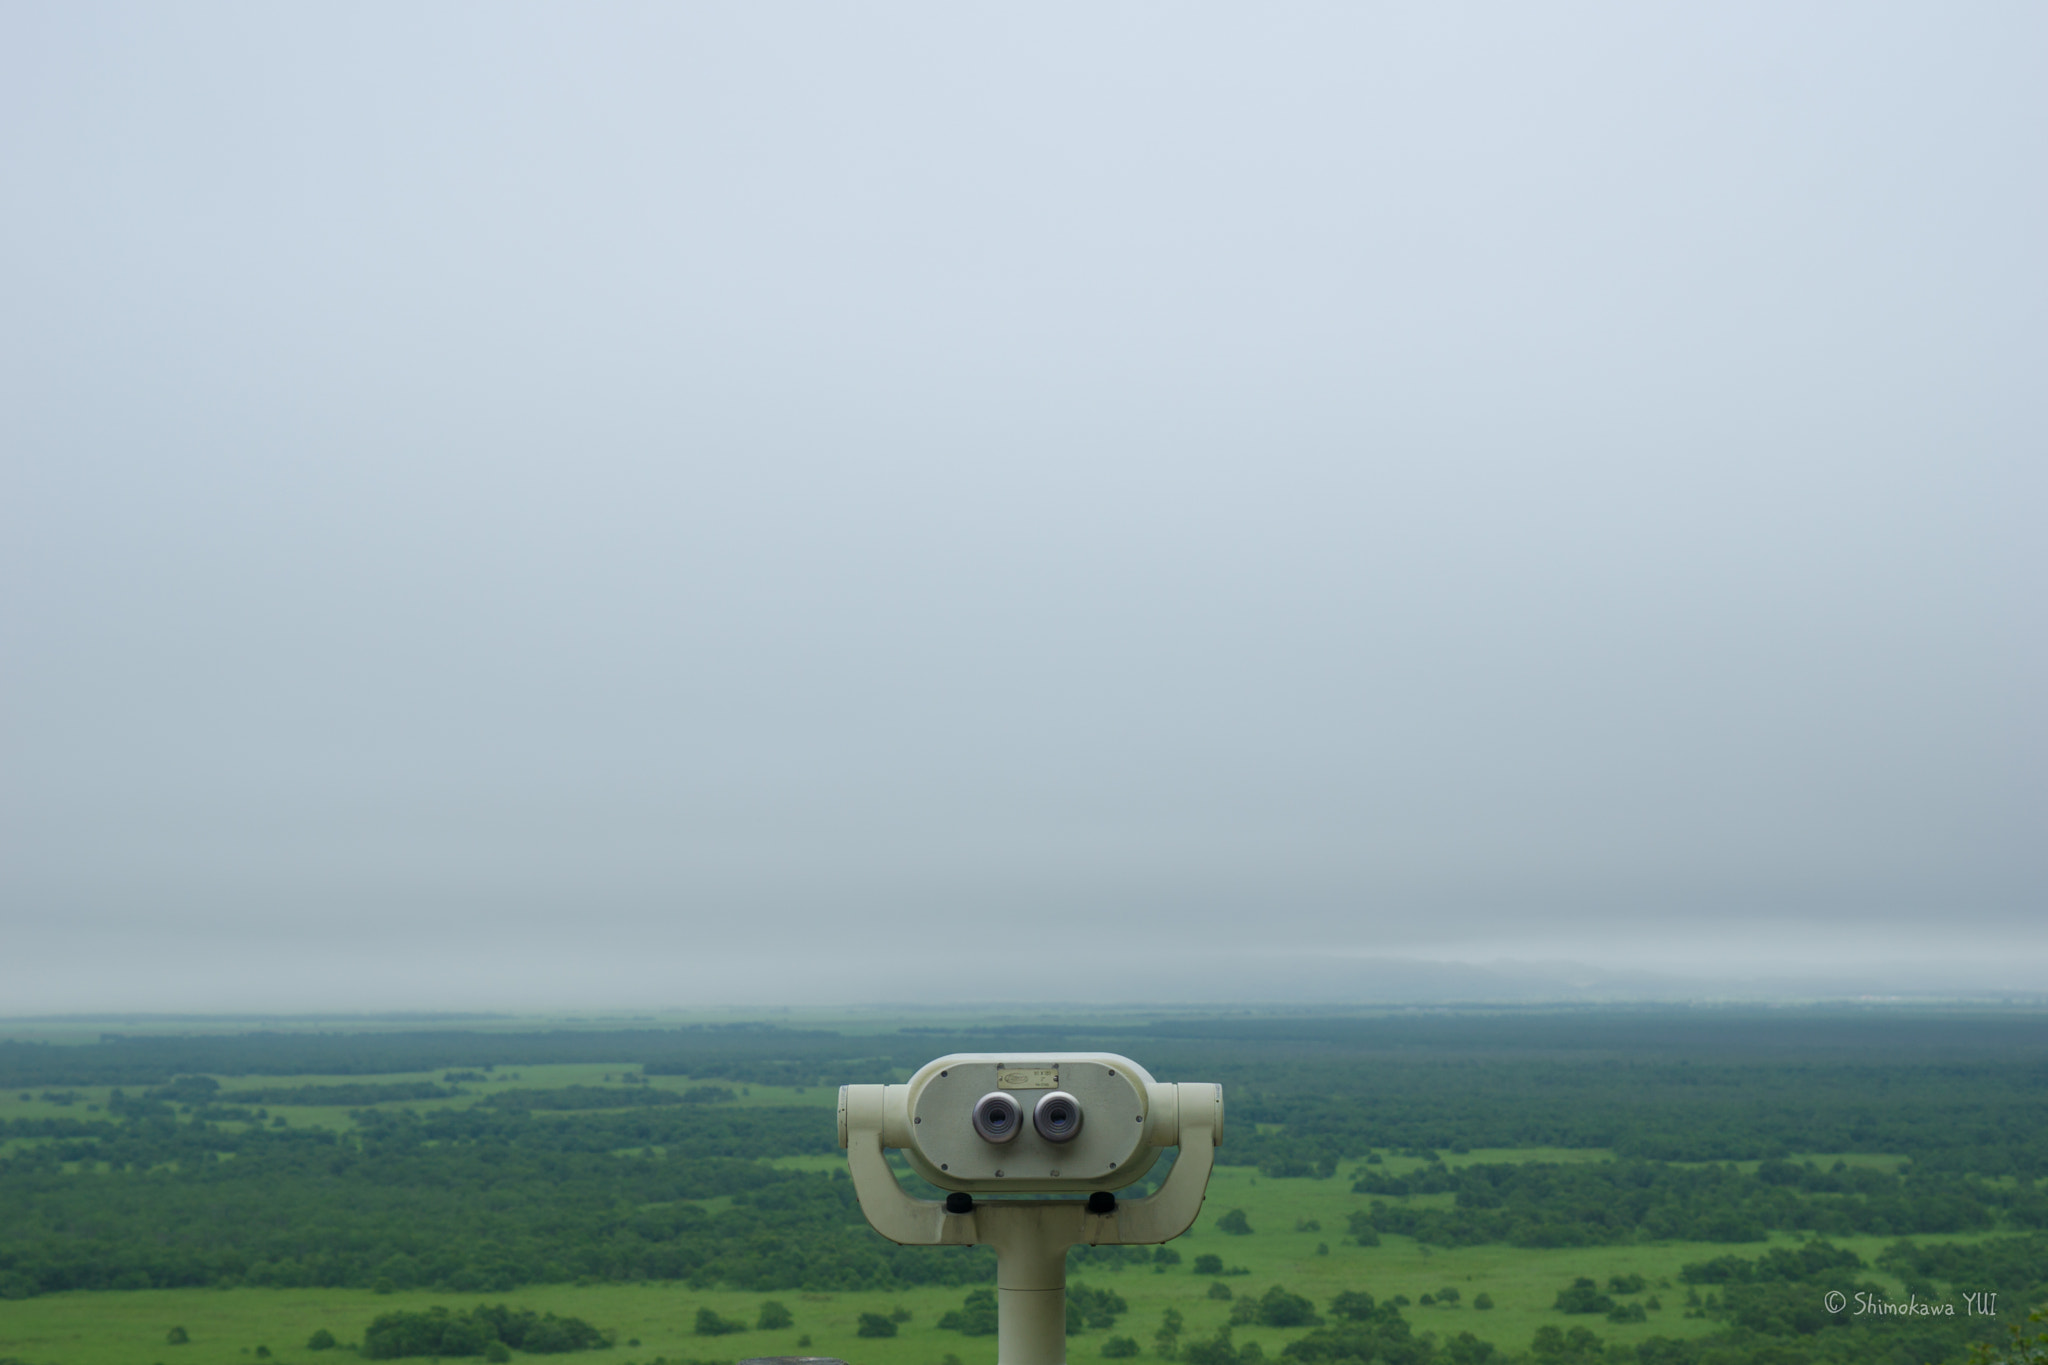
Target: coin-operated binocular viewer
[[985, 1125]]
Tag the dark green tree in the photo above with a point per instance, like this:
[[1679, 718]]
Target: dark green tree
[[711, 1324], [1353, 1305], [976, 1317], [1278, 1308], [1583, 1296]]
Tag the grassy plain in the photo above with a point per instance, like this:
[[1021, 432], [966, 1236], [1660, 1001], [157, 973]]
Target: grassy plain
[[226, 1326], [1299, 1224]]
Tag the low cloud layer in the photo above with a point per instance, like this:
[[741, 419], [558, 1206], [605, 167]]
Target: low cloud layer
[[672, 507]]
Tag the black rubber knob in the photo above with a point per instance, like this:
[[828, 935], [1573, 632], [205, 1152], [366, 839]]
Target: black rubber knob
[[1102, 1201], [959, 1201]]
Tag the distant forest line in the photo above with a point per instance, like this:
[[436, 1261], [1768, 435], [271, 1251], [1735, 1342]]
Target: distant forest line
[[1966, 1093]]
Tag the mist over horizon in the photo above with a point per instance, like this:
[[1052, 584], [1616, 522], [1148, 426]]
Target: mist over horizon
[[910, 983], [541, 509]]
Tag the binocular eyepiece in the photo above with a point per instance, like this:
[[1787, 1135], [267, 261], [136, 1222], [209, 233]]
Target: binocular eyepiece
[[1057, 1116], [998, 1118]]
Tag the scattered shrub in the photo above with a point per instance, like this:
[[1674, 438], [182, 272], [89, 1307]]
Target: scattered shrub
[[438, 1332], [1088, 1307], [710, 1324], [1579, 1344], [1583, 1297], [976, 1316], [1353, 1305], [1218, 1350], [1278, 1308], [1360, 1225]]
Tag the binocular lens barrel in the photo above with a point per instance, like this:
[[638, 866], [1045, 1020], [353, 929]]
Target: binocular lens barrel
[[997, 1117], [1057, 1116]]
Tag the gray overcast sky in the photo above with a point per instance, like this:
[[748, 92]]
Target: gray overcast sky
[[547, 506]]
